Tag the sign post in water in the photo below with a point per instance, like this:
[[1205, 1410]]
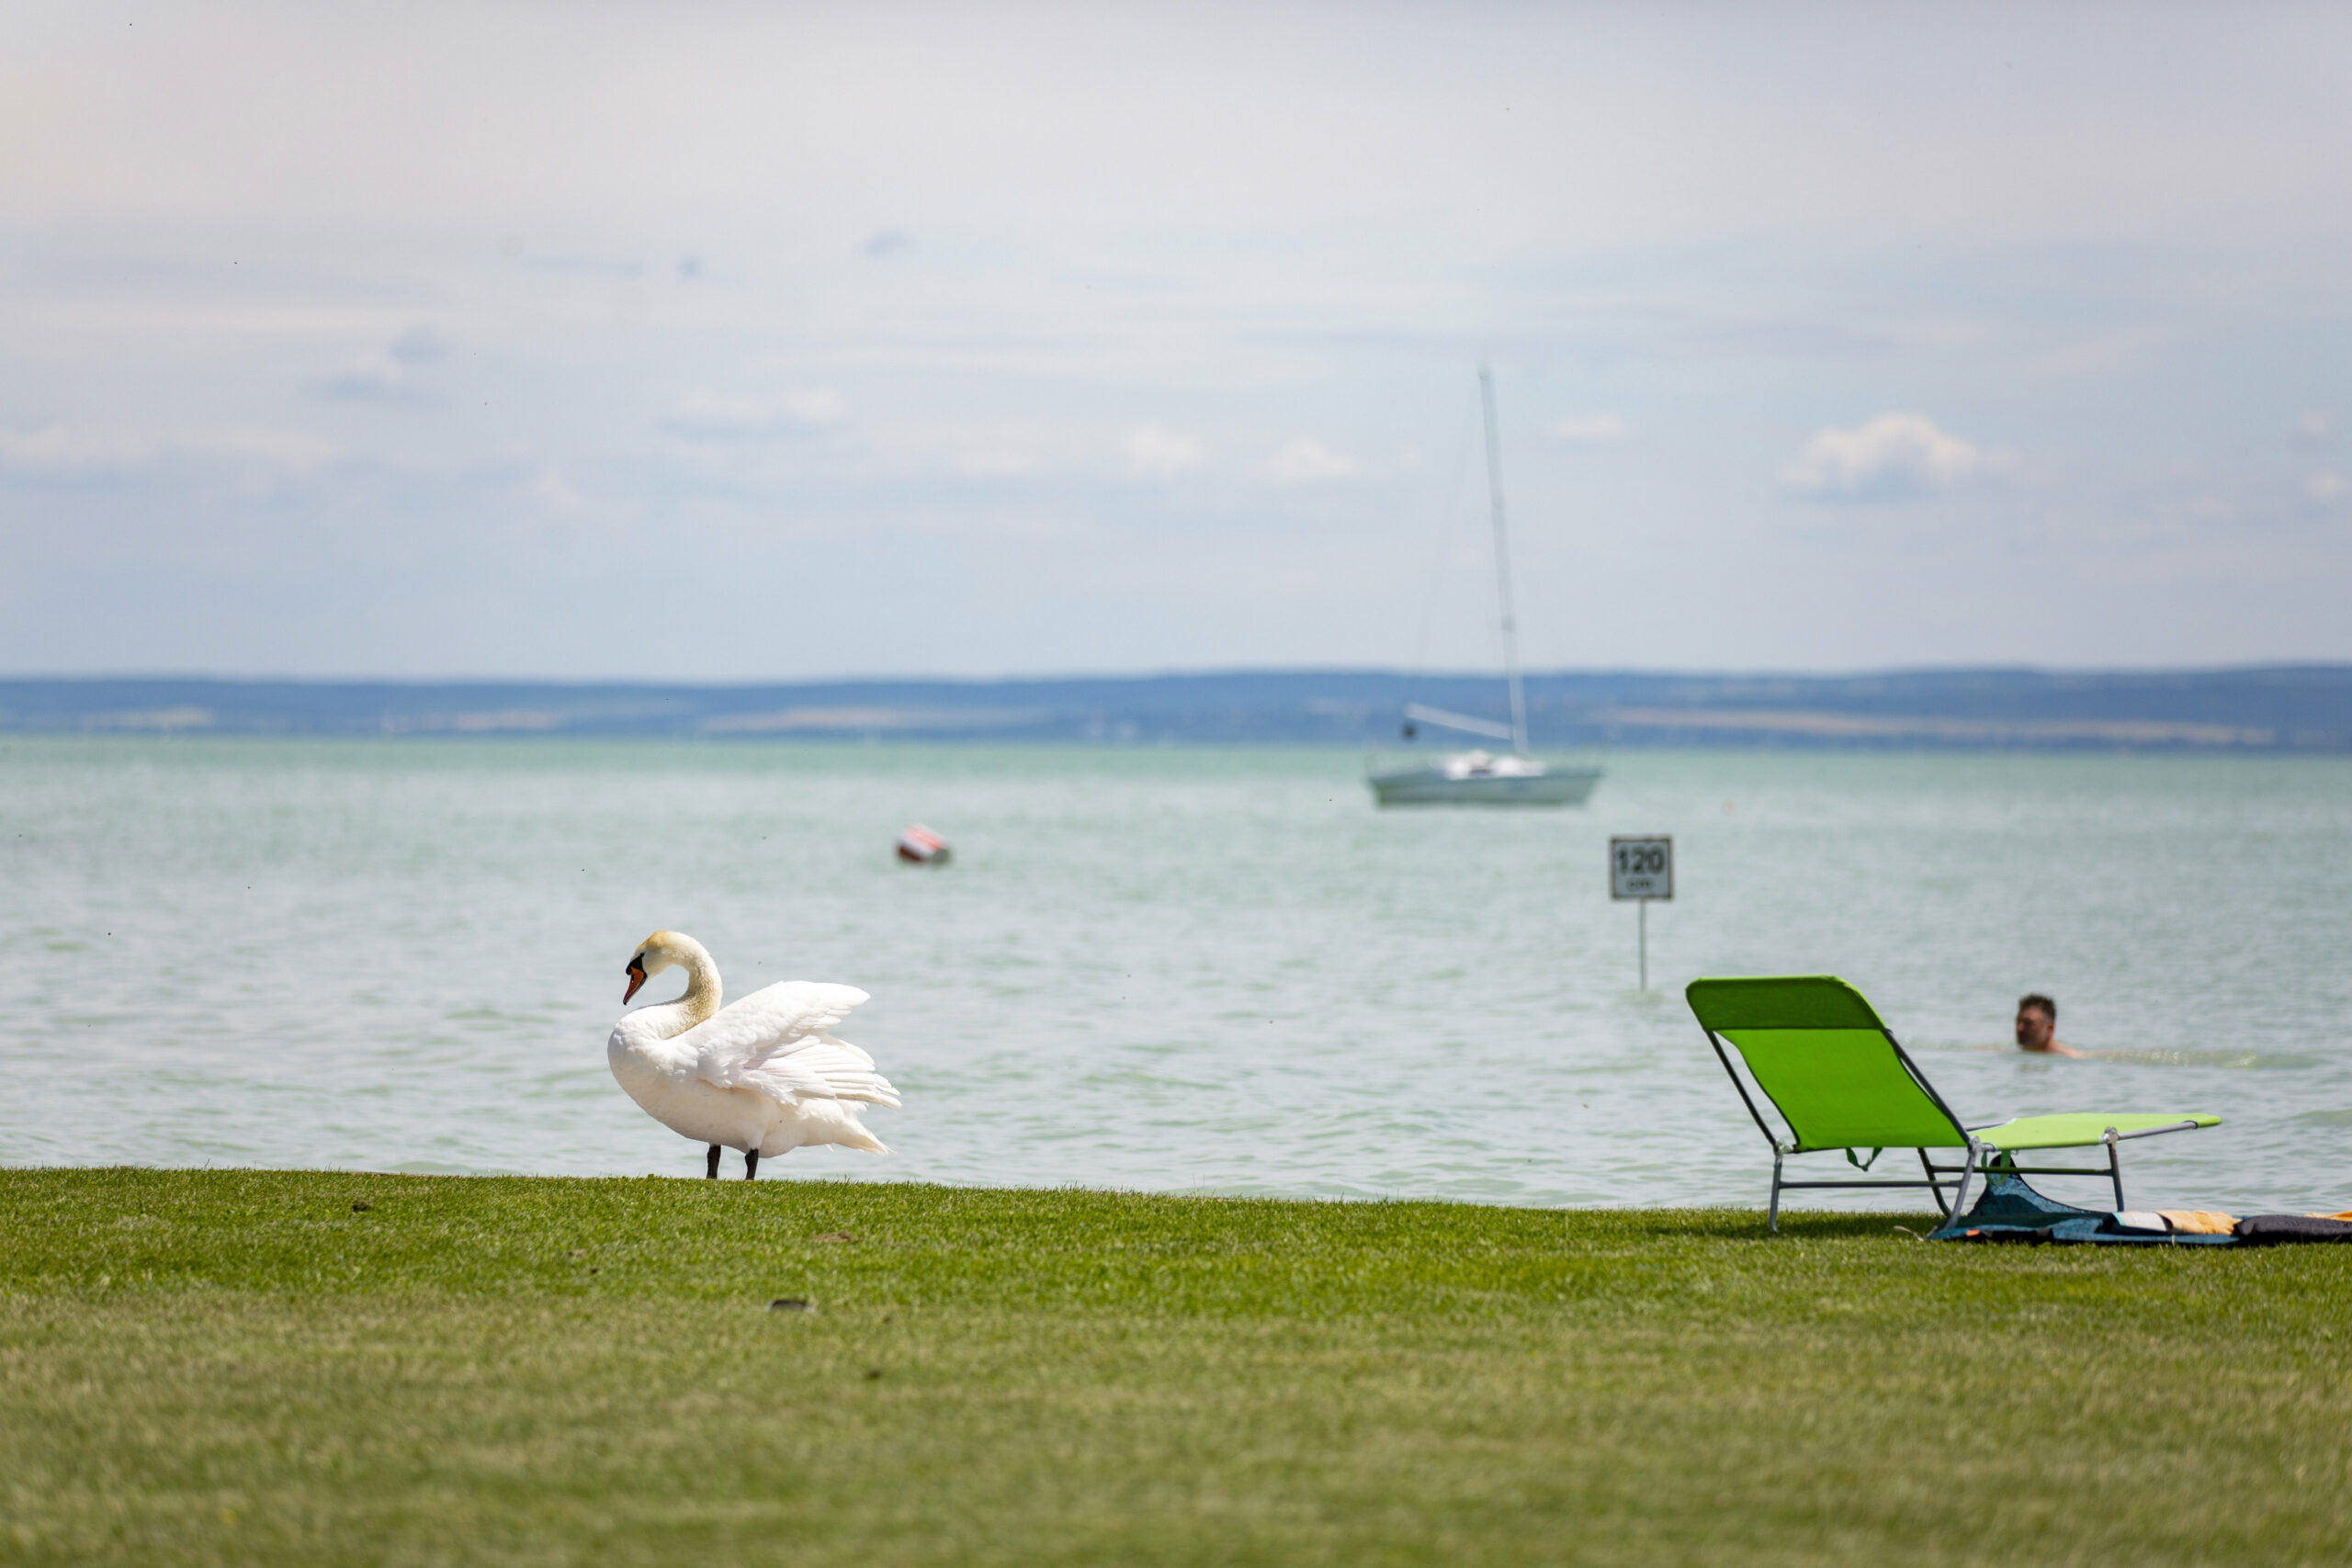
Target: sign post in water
[[1642, 869]]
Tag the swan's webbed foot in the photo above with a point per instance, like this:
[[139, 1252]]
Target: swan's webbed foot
[[750, 1164], [710, 1172]]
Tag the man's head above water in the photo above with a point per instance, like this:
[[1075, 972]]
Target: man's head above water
[[2038, 1026]]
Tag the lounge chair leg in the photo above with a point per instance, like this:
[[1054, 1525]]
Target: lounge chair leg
[[1960, 1193], [1773, 1213], [1935, 1187]]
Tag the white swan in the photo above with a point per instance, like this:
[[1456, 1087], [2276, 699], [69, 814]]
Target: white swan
[[763, 1074]]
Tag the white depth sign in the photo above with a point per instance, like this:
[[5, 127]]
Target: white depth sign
[[1640, 868]]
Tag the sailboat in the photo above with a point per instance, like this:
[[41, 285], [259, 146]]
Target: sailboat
[[1481, 777]]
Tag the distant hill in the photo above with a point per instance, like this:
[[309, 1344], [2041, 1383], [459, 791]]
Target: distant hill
[[2279, 708]]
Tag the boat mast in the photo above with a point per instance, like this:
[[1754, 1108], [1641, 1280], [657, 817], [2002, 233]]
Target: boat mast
[[1503, 563]]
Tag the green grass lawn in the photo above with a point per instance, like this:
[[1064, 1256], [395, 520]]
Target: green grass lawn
[[262, 1367]]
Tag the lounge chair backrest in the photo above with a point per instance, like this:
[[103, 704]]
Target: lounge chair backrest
[[1813, 1045]]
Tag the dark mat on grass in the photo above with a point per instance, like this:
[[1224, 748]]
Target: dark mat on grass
[[2010, 1209], [2269, 1230]]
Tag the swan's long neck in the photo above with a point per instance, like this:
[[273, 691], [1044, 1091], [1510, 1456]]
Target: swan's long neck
[[702, 983]]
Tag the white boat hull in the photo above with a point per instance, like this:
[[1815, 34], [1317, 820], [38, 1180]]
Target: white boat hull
[[1434, 783]]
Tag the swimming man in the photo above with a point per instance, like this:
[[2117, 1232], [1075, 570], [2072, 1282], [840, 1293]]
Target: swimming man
[[2038, 1026]]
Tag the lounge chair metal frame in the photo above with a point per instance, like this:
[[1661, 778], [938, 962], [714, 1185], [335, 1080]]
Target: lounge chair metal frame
[[1982, 1157]]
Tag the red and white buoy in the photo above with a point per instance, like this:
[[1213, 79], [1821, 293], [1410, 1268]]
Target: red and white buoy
[[920, 846]]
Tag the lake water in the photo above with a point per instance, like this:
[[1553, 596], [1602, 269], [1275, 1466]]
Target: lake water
[[1184, 970]]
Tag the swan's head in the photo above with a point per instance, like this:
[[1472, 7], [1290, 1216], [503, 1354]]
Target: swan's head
[[662, 950]]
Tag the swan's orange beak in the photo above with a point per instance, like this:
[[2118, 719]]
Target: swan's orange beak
[[636, 979]]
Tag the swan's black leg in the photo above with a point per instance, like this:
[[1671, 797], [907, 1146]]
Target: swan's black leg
[[712, 1171], [750, 1164]]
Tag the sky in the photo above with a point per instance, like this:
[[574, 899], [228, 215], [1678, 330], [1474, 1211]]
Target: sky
[[698, 342]]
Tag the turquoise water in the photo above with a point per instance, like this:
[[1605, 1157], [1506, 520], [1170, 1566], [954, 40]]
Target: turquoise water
[[1172, 969]]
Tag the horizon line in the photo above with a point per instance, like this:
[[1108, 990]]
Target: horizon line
[[1201, 673]]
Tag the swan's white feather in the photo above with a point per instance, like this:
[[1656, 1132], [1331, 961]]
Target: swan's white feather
[[776, 1040], [825, 1068]]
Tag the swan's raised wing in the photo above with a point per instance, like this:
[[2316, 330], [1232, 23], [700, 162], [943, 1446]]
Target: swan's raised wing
[[776, 1040], [823, 1069]]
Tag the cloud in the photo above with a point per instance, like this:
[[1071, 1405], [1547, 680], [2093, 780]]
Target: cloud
[[295, 450], [1305, 460], [2099, 355], [1156, 452], [1591, 430], [388, 373], [369, 379], [619, 268], [885, 242], [2314, 429], [58, 452], [552, 490], [1896, 457], [816, 405], [984, 458], [2326, 488], [711, 416], [418, 346]]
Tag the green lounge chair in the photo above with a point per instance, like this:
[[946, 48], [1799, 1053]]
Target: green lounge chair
[[1815, 1049]]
